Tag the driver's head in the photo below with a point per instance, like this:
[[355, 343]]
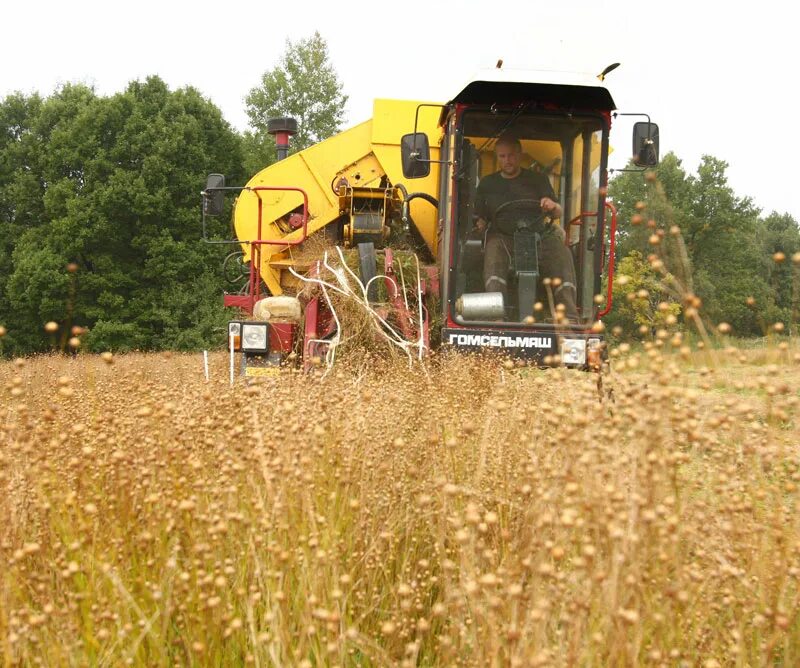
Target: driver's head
[[508, 150]]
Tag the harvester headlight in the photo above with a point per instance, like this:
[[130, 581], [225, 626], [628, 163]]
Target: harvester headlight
[[573, 351], [594, 353], [255, 337]]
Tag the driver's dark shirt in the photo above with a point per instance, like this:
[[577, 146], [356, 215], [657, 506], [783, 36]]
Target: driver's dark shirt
[[495, 189]]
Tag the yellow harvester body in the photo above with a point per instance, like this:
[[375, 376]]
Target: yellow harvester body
[[365, 158]]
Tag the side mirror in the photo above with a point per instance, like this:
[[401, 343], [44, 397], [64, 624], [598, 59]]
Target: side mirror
[[416, 155], [214, 199], [645, 144]]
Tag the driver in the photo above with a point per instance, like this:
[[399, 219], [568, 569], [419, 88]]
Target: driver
[[513, 182]]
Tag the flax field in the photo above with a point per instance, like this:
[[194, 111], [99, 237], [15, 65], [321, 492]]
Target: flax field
[[463, 511]]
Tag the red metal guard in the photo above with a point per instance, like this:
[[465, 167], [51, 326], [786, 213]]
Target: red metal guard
[[611, 257], [395, 298], [247, 302]]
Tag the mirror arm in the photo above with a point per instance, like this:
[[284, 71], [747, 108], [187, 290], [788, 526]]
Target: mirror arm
[[641, 169], [435, 162], [415, 156], [416, 114], [647, 116], [416, 124]]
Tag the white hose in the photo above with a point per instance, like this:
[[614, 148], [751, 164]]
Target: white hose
[[345, 288], [399, 341], [330, 354], [419, 303]]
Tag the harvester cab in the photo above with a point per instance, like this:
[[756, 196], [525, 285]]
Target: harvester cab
[[523, 266], [506, 285]]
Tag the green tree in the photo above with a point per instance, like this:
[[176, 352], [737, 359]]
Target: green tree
[[21, 203], [305, 86], [114, 186], [710, 239], [656, 204], [722, 239], [638, 294], [780, 233]]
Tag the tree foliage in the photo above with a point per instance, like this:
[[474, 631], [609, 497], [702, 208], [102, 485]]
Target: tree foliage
[[304, 85], [779, 234], [639, 293], [713, 243], [110, 185]]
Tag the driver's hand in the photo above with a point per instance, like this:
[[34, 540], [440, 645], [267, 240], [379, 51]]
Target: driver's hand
[[548, 205]]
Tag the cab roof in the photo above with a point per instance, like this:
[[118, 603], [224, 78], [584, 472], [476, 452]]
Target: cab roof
[[575, 90]]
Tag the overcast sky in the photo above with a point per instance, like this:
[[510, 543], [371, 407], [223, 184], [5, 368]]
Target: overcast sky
[[717, 79]]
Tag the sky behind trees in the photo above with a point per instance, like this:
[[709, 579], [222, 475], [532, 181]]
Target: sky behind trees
[[716, 79]]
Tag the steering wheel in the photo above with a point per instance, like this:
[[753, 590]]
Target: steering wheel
[[529, 208]]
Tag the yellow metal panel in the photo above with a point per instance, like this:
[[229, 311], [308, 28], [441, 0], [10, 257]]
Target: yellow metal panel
[[312, 170], [261, 371], [391, 120], [363, 155]]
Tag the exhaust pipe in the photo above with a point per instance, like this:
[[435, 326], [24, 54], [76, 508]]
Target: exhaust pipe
[[282, 129]]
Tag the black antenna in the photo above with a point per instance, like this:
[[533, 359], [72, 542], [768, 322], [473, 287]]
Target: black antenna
[[610, 68]]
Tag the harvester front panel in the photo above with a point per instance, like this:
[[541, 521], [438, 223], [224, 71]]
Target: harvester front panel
[[516, 308]]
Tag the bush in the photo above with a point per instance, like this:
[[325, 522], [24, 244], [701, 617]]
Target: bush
[[641, 300]]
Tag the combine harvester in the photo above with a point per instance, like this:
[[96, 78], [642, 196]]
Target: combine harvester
[[416, 167]]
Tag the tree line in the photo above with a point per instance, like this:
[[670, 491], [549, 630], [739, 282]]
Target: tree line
[[100, 204], [690, 240]]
